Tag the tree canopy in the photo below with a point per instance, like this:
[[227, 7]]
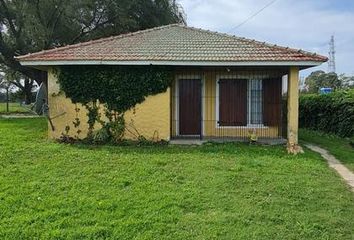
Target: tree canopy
[[347, 81], [319, 79]]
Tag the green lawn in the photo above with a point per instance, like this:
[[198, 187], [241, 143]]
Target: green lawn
[[339, 147], [216, 191], [13, 108]]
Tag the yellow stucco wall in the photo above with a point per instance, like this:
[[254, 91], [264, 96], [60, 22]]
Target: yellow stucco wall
[[210, 128], [293, 105], [150, 118]]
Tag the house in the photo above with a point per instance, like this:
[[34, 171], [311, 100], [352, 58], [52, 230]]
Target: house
[[225, 87]]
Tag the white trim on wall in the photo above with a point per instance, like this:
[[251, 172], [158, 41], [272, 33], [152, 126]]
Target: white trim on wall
[[171, 63]]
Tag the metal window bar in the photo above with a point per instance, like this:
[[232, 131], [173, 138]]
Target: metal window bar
[[209, 104]]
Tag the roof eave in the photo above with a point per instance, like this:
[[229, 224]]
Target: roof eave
[[35, 63]]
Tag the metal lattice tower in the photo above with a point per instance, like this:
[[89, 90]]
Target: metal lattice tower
[[332, 56]]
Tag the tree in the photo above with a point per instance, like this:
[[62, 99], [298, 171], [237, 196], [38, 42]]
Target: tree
[[31, 25], [2, 80], [319, 79], [6, 85], [347, 81], [24, 84]]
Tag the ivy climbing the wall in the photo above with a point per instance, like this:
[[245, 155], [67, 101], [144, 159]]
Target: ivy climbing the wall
[[117, 88]]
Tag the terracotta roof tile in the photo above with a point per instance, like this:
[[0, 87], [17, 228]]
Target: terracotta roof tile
[[173, 43]]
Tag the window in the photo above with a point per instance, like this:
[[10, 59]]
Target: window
[[240, 102], [255, 102]]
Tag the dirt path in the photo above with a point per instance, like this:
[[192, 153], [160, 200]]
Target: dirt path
[[334, 163]]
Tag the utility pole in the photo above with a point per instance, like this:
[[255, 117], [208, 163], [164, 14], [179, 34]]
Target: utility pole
[[332, 56]]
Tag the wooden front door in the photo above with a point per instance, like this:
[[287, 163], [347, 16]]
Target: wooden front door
[[189, 106]]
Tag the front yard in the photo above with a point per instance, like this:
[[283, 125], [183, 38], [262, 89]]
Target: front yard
[[216, 191]]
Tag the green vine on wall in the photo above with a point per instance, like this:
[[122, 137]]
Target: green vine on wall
[[77, 121], [117, 88]]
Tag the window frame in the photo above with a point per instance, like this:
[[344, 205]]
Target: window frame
[[249, 103], [217, 100]]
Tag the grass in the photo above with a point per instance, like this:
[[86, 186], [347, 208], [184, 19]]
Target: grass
[[13, 108], [338, 147], [216, 191]]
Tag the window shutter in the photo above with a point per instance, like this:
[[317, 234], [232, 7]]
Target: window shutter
[[233, 102], [272, 95]]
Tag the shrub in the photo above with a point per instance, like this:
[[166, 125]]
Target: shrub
[[101, 136], [331, 113]]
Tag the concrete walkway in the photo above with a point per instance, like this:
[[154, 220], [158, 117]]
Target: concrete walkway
[[344, 172], [9, 116]]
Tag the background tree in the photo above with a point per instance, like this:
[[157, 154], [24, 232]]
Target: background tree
[[31, 25], [24, 84], [2, 81], [319, 79], [347, 81], [6, 87]]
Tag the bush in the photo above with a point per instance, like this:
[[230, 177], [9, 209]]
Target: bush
[[331, 113], [101, 136]]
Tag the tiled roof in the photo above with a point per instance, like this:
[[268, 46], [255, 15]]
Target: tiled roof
[[174, 43]]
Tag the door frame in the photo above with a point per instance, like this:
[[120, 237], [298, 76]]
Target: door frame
[[178, 77]]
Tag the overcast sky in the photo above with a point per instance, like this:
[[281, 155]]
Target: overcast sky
[[305, 24]]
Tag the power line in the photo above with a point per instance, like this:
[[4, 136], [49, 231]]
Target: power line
[[252, 16]]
